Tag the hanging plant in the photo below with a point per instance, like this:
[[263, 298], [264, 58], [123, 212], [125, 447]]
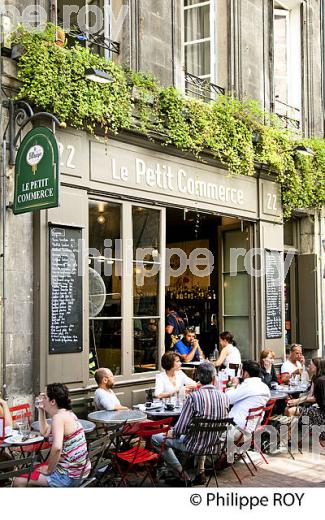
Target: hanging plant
[[237, 133]]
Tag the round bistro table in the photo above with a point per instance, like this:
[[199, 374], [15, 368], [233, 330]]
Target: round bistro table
[[117, 416]]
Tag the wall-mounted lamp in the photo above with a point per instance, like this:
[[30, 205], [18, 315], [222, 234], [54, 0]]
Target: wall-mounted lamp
[[303, 150], [98, 76]]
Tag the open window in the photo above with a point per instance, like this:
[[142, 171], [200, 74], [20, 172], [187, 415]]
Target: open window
[[89, 22]]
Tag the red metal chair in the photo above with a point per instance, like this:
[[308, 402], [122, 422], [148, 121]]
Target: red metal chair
[[139, 457], [24, 409], [255, 416], [261, 426]]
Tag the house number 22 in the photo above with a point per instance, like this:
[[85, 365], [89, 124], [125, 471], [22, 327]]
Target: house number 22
[[71, 151]]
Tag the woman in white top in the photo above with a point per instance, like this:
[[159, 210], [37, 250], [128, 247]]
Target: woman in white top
[[173, 378], [229, 354]]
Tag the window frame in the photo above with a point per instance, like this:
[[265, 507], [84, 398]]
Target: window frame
[[212, 38]]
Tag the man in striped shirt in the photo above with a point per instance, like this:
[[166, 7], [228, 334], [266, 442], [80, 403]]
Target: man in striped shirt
[[207, 403]]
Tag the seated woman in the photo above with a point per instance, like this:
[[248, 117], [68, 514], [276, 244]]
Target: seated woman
[[4, 412], [268, 373], [316, 369], [173, 378], [68, 460], [229, 354], [316, 414]]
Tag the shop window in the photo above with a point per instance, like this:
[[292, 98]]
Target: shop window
[[105, 272], [236, 289], [287, 62], [199, 48], [146, 274]]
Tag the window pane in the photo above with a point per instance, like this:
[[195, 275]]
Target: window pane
[[105, 288], [233, 241], [236, 294], [105, 340], [105, 229], [146, 345], [288, 229], [239, 327], [145, 291], [197, 59], [197, 23], [146, 230]]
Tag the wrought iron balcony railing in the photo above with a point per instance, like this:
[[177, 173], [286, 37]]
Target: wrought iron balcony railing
[[202, 88], [93, 40], [288, 114]]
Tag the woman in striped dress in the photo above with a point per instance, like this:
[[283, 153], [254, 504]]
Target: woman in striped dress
[[68, 461]]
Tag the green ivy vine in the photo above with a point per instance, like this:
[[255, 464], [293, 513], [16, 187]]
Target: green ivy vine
[[237, 133]]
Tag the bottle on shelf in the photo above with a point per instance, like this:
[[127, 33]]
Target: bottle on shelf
[[209, 295]]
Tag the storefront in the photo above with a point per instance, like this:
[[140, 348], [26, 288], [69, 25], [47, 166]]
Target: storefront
[[147, 224]]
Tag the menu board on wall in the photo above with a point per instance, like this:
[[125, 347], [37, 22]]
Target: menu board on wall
[[65, 285], [273, 294]]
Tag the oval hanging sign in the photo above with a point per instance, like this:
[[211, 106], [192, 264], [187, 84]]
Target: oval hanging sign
[[35, 155], [37, 172]]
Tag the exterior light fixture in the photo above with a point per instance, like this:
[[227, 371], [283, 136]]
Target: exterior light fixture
[[98, 76], [303, 150]]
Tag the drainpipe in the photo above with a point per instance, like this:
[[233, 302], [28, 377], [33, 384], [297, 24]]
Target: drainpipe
[[322, 275]]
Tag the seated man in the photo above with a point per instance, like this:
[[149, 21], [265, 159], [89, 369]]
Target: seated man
[[252, 393], [294, 364], [209, 403], [188, 347], [104, 398]]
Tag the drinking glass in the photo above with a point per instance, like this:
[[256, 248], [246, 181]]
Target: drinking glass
[[25, 428], [19, 422]]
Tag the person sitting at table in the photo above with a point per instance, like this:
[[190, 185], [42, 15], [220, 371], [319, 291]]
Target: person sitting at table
[[251, 393], [316, 413], [316, 369], [172, 379], [229, 355], [68, 461], [268, 373], [105, 398], [188, 347], [207, 402], [5, 413], [294, 364]]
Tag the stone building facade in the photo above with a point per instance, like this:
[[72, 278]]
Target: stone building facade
[[235, 44]]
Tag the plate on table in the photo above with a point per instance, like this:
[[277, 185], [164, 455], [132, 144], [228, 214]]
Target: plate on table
[[154, 406], [20, 439]]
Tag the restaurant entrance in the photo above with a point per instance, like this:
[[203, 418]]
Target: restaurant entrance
[[191, 240]]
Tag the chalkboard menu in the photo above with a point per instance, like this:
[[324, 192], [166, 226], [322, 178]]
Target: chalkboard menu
[[273, 294], [65, 327]]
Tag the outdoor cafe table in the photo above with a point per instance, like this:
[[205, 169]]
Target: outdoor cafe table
[[117, 417], [88, 426], [161, 412]]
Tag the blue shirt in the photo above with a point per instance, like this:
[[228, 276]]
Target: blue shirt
[[184, 349]]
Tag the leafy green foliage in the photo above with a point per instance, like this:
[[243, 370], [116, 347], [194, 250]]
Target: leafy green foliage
[[237, 133]]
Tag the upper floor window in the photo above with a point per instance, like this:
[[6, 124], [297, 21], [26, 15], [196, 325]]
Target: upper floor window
[[287, 62], [90, 23], [199, 47]]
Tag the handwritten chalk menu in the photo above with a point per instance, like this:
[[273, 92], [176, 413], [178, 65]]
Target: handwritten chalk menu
[[273, 294], [65, 334]]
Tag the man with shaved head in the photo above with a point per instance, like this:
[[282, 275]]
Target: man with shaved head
[[104, 398]]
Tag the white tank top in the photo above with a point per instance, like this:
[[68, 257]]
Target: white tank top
[[233, 357]]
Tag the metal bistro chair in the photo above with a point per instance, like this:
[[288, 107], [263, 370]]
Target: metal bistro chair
[[100, 456], [255, 416], [10, 469], [211, 434], [139, 458]]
